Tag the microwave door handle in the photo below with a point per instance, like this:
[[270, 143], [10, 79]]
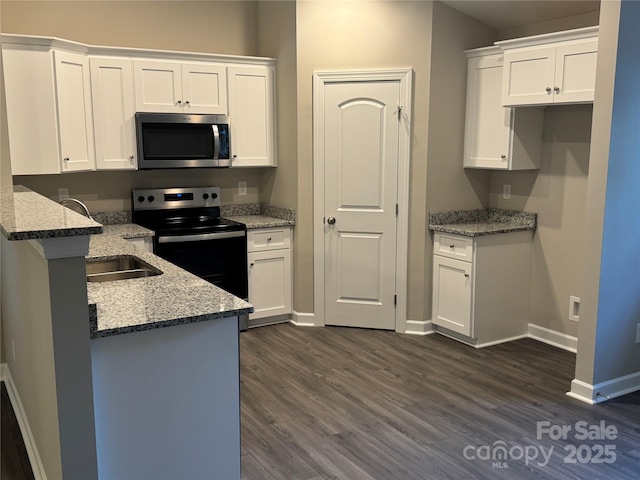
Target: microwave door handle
[[216, 141]]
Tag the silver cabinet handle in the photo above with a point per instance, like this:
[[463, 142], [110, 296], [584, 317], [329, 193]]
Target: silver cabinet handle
[[331, 220], [548, 89]]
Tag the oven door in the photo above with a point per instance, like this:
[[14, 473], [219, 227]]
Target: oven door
[[219, 258]]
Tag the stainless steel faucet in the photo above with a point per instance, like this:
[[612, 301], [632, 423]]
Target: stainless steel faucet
[[79, 203]]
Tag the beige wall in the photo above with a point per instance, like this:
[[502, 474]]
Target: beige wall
[[448, 185], [557, 193], [566, 23]]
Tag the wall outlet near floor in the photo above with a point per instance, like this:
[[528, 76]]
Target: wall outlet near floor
[[574, 308], [638, 333], [506, 191], [242, 188], [63, 193]]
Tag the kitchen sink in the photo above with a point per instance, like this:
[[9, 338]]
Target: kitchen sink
[[123, 267]]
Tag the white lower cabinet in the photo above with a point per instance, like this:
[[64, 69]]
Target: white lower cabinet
[[481, 286], [269, 264]]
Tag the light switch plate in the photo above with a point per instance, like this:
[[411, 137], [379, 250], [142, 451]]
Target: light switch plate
[[63, 193], [506, 191], [242, 188]]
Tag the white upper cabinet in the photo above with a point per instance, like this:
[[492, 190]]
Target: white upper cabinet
[[49, 116], [114, 111], [550, 69], [180, 87], [252, 115], [497, 137]]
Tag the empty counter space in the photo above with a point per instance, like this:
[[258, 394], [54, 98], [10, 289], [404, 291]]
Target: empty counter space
[[482, 274]]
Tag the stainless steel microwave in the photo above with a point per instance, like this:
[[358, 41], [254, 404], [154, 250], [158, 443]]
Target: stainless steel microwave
[[176, 140]]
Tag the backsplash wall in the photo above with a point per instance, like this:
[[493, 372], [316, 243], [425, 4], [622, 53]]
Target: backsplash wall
[[110, 191]]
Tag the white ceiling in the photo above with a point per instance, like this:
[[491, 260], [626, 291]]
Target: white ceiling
[[505, 14]]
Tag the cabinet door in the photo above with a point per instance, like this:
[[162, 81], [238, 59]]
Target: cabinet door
[[75, 119], [113, 113], [576, 72], [270, 283], [487, 123], [204, 88], [251, 108], [452, 287], [528, 77], [158, 86]]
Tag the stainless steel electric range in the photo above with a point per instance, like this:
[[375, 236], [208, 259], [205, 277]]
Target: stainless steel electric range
[[190, 233]]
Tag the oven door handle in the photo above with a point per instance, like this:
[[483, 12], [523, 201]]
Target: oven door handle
[[200, 237]]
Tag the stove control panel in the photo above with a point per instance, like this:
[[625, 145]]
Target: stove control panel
[[163, 198]]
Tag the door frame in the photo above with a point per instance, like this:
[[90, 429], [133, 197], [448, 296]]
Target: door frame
[[320, 80]]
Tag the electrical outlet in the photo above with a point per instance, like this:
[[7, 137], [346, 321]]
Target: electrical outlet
[[242, 188], [574, 308], [63, 193], [506, 191], [638, 333]]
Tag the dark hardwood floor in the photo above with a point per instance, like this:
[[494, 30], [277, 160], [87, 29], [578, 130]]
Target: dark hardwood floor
[[321, 403], [337, 403], [14, 462]]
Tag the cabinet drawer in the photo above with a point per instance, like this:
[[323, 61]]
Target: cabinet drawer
[[453, 246], [268, 239]]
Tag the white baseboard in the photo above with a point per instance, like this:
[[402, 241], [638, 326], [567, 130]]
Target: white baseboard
[[418, 327], [603, 391], [551, 337], [301, 319], [23, 423]]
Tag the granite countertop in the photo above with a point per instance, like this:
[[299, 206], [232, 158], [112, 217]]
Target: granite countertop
[[27, 215], [176, 297], [128, 230], [489, 221], [260, 221]]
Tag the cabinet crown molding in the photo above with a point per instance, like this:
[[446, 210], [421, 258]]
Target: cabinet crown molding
[[14, 40], [562, 36]]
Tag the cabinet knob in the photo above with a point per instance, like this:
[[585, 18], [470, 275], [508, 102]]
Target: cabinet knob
[[548, 89], [451, 246], [268, 239], [466, 275], [251, 264], [503, 157], [187, 102], [131, 157], [179, 102], [66, 159], [556, 89]]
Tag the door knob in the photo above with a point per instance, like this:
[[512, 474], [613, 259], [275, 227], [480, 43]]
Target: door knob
[[331, 220]]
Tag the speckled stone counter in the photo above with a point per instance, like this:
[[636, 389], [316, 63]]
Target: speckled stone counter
[[176, 297], [260, 221], [490, 221], [255, 215], [128, 230], [27, 215]]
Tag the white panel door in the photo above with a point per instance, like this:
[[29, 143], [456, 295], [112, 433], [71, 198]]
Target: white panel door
[[361, 169], [576, 72], [204, 88], [158, 86], [452, 287], [528, 76], [75, 118], [114, 113]]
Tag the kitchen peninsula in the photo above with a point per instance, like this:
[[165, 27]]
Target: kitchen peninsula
[[149, 388]]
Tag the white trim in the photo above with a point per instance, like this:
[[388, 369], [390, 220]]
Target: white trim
[[62, 247], [552, 337], [23, 423], [498, 342], [563, 36], [418, 327], [320, 79], [300, 319], [603, 391]]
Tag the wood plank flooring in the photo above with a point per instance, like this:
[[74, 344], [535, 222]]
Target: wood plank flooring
[[14, 461], [337, 403]]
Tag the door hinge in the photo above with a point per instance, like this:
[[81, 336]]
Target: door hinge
[[397, 209], [395, 300]]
